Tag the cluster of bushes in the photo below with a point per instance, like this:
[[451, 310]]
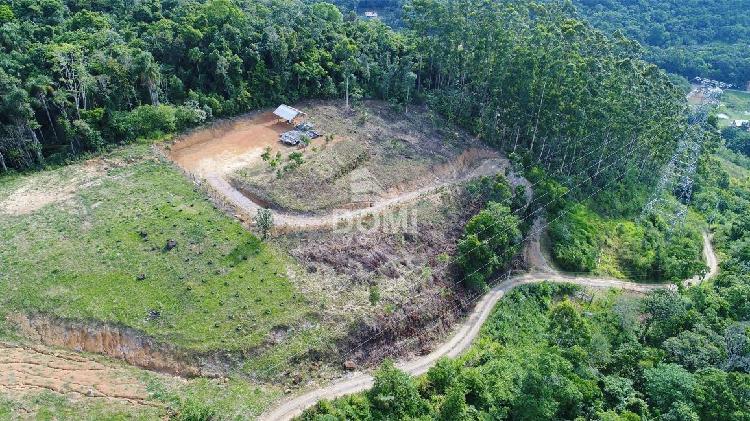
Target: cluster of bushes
[[737, 139], [554, 352], [493, 236], [582, 229]]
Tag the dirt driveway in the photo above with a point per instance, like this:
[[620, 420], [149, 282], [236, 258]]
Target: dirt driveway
[[213, 154], [227, 146]]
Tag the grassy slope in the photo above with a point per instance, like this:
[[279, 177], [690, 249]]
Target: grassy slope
[[736, 105], [220, 288]]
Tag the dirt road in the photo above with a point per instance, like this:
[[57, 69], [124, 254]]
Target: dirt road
[[713, 263], [286, 222], [469, 329]]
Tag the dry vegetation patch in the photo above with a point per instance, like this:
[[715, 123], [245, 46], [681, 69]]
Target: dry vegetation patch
[[378, 153]]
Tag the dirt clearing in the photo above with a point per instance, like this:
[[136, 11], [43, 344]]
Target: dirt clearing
[[374, 158], [54, 187], [30, 369], [228, 145]]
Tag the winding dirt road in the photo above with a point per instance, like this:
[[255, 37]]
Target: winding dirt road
[[469, 329], [286, 221]]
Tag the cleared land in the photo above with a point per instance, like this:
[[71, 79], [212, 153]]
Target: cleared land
[[735, 105], [379, 153], [124, 256], [137, 245], [370, 160], [40, 382]]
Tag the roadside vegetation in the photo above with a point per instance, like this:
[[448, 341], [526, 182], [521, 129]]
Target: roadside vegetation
[[667, 355], [644, 248]]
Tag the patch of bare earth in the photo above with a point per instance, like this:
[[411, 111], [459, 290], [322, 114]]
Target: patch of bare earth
[[27, 370], [55, 186]]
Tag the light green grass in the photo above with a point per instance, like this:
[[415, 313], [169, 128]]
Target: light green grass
[[735, 164], [220, 288], [230, 399], [49, 406], [735, 104]]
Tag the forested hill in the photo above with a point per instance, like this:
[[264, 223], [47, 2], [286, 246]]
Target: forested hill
[[76, 76], [689, 37]]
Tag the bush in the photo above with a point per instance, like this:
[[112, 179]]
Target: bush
[[491, 239], [575, 239], [82, 135], [146, 122], [189, 115]]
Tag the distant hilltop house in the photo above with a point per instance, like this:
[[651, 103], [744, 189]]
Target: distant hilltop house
[[288, 114], [742, 124], [371, 14]]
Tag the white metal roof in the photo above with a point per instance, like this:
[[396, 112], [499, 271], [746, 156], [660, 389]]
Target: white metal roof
[[287, 113]]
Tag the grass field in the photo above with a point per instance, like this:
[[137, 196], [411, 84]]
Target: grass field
[[735, 105], [99, 252]]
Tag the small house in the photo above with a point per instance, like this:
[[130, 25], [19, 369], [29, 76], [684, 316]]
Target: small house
[[740, 123], [371, 14], [288, 114]]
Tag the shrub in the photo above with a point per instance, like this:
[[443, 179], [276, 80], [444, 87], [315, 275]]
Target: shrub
[[145, 122], [575, 239], [491, 239], [264, 222]]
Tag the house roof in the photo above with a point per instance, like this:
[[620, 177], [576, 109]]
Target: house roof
[[287, 113]]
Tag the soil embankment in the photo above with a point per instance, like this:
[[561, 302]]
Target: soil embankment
[[31, 369], [118, 342]]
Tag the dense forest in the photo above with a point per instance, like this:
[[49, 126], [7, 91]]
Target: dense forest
[[76, 76], [526, 77], [559, 352], [688, 37]]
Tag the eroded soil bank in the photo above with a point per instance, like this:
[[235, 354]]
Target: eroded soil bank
[[31, 369], [123, 343]]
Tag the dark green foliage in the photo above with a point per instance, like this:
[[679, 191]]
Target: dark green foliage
[[645, 250], [155, 68], [689, 37], [394, 394], [576, 239], [737, 139], [491, 240], [520, 75]]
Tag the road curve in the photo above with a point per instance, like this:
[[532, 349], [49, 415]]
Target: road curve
[[467, 331], [287, 222]]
